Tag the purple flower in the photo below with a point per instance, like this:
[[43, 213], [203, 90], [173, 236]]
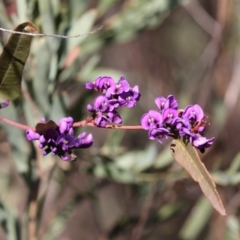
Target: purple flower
[[115, 95], [164, 103], [4, 104], [101, 104], [59, 139], [113, 104], [84, 140], [187, 124], [106, 82], [90, 85], [31, 135], [101, 120], [65, 142], [121, 86], [65, 125], [169, 115], [194, 113], [67, 156], [114, 117], [150, 120], [49, 138], [201, 142], [183, 126], [130, 98], [160, 102], [158, 134], [100, 84], [43, 120]]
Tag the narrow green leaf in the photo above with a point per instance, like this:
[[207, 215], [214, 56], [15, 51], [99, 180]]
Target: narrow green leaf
[[163, 159], [145, 159], [232, 228], [48, 23], [41, 76], [22, 10], [186, 155], [197, 220], [12, 61], [83, 24]]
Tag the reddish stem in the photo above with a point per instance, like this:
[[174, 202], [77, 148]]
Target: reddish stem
[[76, 124], [108, 126], [15, 124]]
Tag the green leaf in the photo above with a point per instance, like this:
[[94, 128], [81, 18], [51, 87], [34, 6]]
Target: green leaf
[[163, 159], [197, 220], [48, 23], [41, 77], [232, 228], [145, 159], [235, 165], [82, 25], [186, 155], [12, 61]]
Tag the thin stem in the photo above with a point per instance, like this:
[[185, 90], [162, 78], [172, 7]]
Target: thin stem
[[108, 126], [76, 124], [50, 35], [15, 124]]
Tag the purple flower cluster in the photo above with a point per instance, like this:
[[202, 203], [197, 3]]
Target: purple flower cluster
[[170, 121], [59, 139], [114, 95]]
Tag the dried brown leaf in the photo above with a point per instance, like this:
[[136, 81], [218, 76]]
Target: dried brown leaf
[[186, 155]]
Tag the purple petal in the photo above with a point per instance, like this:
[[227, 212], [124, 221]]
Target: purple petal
[[65, 124], [151, 120], [65, 141], [158, 134], [105, 82], [84, 140], [101, 120], [101, 104], [89, 85], [160, 102], [31, 135], [42, 139], [169, 115], [171, 102], [87, 141], [4, 104], [193, 112], [114, 117], [202, 142], [46, 151], [43, 120], [90, 108]]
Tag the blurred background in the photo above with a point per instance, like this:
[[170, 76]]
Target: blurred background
[[125, 186]]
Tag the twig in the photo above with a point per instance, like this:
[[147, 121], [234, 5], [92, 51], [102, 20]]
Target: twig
[[108, 126], [50, 35], [137, 232], [15, 124], [77, 124]]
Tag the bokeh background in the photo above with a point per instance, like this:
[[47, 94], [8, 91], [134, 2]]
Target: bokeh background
[[125, 186]]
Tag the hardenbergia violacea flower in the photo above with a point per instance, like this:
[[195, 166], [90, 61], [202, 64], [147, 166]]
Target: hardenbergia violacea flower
[[59, 139], [168, 121], [113, 96]]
